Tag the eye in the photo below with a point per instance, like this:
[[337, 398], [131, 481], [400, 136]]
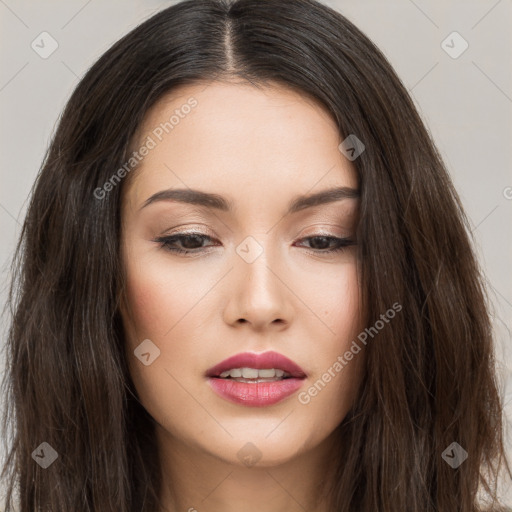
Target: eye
[[324, 243], [191, 243]]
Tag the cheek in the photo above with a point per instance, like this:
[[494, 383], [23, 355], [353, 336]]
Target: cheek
[[345, 300], [160, 303], [166, 303], [334, 296], [348, 322], [158, 297], [142, 303], [338, 301]]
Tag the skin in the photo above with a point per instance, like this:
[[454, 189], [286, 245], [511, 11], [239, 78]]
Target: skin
[[259, 148]]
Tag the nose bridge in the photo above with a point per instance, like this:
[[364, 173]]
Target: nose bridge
[[259, 297], [257, 260]]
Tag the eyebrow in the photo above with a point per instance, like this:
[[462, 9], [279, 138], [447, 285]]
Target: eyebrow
[[215, 201]]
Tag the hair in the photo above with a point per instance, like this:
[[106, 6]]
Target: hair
[[430, 376]]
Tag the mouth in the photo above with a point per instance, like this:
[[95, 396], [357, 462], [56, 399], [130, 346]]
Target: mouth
[[256, 379], [254, 375]]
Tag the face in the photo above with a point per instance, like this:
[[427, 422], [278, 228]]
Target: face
[[265, 270]]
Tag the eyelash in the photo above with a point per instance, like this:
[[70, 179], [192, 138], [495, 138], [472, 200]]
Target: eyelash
[[166, 241]]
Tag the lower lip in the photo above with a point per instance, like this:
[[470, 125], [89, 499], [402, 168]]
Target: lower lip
[[258, 394]]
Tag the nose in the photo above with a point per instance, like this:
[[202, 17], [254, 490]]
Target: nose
[[259, 294]]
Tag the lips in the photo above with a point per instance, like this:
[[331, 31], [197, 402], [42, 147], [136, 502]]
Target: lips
[[258, 361], [256, 392]]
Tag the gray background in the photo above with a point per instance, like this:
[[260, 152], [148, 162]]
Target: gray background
[[466, 102]]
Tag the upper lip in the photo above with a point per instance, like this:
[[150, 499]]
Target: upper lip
[[258, 361]]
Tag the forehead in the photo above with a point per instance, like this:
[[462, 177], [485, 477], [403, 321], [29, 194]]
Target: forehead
[[239, 139]]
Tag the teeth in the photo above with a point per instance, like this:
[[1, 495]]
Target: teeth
[[249, 373], [253, 373]]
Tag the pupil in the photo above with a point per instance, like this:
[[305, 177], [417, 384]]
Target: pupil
[[323, 239], [189, 241]]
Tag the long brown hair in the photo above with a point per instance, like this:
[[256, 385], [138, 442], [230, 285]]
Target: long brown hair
[[430, 378]]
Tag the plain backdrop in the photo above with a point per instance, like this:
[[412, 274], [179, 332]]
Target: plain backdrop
[[464, 97]]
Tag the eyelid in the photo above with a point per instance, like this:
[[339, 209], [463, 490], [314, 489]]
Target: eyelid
[[189, 231], [304, 233], [321, 231]]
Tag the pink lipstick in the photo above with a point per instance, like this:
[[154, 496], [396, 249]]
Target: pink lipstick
[[256, 380]]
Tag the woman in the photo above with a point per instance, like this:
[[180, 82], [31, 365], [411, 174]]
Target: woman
[[245, 281]]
